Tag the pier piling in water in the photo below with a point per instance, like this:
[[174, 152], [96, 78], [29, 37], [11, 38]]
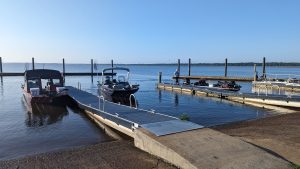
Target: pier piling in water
[[159, 77], [264, 68], [112, 71], [64, 69], [226, 64], [178, 66], [92, 69], [1, 69], [189, 67], [32, 63]]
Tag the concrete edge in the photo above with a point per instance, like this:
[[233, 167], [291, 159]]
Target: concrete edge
[[146, 143]]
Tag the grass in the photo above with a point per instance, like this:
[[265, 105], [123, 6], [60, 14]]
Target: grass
[[295, 166], [184, 117]]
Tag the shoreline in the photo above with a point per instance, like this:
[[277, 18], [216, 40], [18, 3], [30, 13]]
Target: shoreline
[[278, 135], [109, 155]]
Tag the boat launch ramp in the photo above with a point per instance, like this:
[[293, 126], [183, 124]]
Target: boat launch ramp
[[181, 143]]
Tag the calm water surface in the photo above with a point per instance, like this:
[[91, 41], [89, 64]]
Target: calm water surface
[[23, 133]]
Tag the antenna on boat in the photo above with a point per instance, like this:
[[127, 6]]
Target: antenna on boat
[[95, 66], [26, 66]]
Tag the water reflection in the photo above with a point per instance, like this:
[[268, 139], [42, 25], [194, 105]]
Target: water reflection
[[1, 88], [41, 115], [176, 100], [159, 96]]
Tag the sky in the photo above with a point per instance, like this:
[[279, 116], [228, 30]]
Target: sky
[[149, 31]]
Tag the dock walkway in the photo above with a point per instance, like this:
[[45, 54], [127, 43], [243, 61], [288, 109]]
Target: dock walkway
[[129, 117]]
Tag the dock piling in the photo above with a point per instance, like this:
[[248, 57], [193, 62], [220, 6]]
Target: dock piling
[[64, 69], [32, 63], [264, 68], [92, 69], [255, 73], [189, 67], [159, 77], [178, 66], [112, 71], [1, 69], [226, 64]]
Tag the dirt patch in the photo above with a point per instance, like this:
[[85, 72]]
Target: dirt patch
[[111, 155], [279, 135]]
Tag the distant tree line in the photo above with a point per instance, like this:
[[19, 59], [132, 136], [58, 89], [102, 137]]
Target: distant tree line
[[252, 63], [233, 64]]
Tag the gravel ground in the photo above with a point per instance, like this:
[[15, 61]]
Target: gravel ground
[[279, 135], [110, 155]]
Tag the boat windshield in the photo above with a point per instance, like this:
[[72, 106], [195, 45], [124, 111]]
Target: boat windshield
[[121, 79], [33, 83], [120, 75]]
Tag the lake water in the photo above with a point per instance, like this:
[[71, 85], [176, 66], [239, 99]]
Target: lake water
[[23, 133]]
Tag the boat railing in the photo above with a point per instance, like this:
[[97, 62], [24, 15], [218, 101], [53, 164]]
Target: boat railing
[[284, 76], [265, 87]]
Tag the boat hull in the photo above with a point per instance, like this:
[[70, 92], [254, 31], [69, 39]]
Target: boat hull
[[118, 96], [34, 101]]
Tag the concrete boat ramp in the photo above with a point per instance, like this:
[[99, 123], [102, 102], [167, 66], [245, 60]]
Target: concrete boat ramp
[[183, 144]]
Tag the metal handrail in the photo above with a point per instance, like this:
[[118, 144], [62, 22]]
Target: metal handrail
[[101, 97], [133, 124], [132, 95]]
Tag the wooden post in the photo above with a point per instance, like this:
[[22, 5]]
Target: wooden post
[[32, 63], [159, 77], [1, 69], [178, 66], [92, 70], [255, 73], [112, 71], [189, 66], [264, 68], [226, 64], [64, 69]]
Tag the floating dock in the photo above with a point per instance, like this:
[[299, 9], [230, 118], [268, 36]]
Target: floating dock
[[225, 78], [255, 99], [181, 143], [129, 117], [66, 74]]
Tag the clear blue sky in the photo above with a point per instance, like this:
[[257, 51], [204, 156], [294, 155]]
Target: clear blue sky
[[149, 31]]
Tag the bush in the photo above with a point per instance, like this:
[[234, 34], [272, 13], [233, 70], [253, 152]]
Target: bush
[[184, 117]]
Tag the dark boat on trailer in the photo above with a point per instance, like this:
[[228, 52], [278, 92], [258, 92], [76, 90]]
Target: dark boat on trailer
[[44, 86], [116, 88]]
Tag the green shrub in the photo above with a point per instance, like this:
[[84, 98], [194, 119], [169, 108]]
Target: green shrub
[[184, 117]]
